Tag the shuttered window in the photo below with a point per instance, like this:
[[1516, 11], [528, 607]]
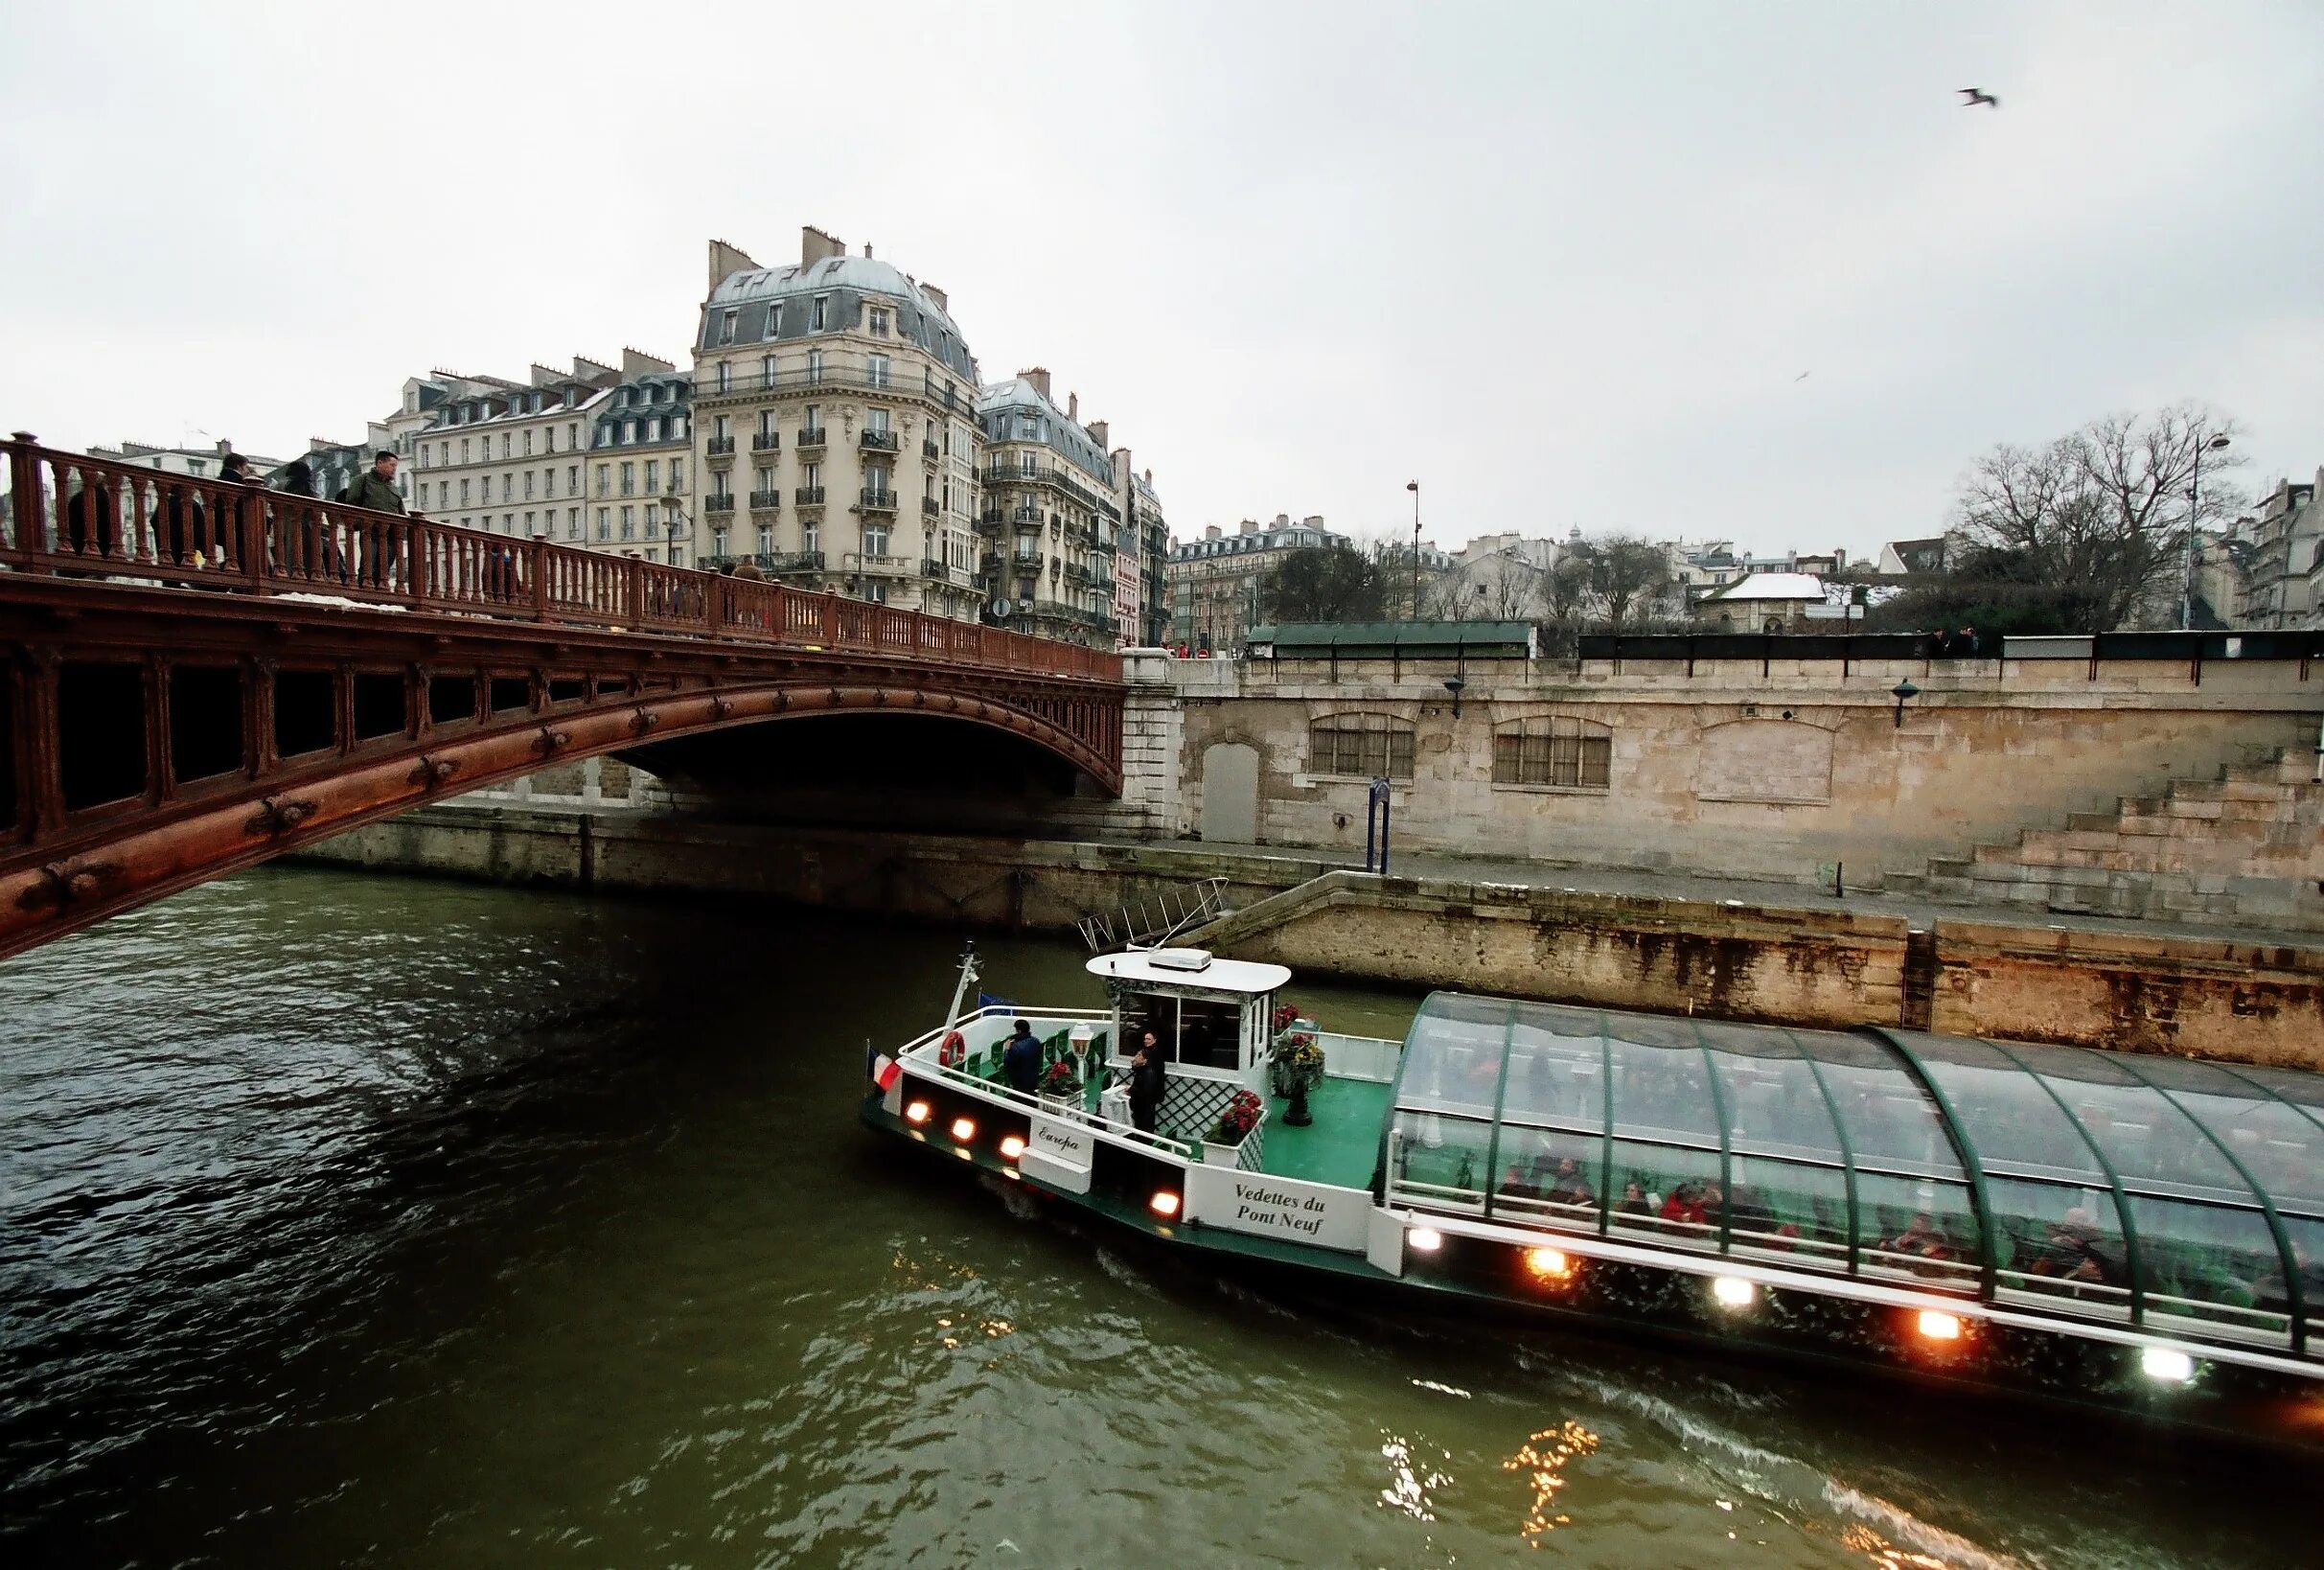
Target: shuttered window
[[1364, 745], [1552, 749]]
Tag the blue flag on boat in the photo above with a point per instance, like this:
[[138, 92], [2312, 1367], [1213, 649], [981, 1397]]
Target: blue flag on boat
[[985, 1000]]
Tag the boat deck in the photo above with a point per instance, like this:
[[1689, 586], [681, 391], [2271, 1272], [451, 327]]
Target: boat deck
[[1341, 1146]]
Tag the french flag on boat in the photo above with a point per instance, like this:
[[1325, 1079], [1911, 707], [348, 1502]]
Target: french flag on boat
[[886, 1070]]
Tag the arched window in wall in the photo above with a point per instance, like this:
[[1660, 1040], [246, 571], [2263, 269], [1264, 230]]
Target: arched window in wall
[[1553, 749], [1360, 746]]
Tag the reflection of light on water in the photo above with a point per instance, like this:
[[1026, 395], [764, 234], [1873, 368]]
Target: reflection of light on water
[[1885, 1554], [1408, 1485], [1544, 1458]]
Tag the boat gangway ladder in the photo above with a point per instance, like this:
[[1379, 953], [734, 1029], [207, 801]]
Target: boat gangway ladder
[[1151, 921]]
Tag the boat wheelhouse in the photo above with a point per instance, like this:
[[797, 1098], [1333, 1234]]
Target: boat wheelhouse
[[2082, 1221]]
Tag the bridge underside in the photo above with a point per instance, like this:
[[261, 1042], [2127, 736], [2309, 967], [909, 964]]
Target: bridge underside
[[152, 738]]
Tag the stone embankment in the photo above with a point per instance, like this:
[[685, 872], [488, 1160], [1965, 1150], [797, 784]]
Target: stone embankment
[[2240, 996], [2245, 849]]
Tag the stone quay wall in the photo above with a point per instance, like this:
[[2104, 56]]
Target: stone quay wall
[[1837, 969], [1783, 769]]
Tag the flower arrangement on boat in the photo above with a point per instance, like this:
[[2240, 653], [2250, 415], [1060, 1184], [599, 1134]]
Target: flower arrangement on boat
[[1296, 1063], [1060, 1079], [1241, 1117]]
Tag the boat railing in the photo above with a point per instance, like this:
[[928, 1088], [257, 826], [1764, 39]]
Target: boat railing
[[1368, 1058], [922, 1054]]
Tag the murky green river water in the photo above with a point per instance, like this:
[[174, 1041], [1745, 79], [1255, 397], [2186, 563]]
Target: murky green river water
[[360, 1220]]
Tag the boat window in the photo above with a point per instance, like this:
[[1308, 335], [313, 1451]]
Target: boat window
[[2062, 1243], [2282, 1150], [1892, 1122], [1775, 1105], [1198, 1032], [1550, 1175], [1671, 1192], [2211, 1263], [2006, 1113], [1557, 1069], [1452, 1058], [1441, 1161], [2144, 1136], [1918, 1229], [1661, 1086], [1790, 1207]]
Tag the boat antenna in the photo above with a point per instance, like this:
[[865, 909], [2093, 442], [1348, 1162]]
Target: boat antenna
[[968, 973]]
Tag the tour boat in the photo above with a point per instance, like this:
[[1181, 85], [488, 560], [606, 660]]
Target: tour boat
[[2093, 1224]]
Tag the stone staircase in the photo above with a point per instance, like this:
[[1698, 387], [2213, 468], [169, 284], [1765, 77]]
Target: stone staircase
[[2245, 849]]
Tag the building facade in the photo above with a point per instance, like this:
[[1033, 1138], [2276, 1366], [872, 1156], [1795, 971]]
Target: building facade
[[1051, 524], [528, 459], [2283, 543], [836, 433], [1142, 600], [192, 462], [1215, 582]]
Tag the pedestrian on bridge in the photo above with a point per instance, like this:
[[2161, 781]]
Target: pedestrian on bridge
[[374, 491]]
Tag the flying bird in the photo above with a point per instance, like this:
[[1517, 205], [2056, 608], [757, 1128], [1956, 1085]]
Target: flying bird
[[1972, 96], [1802, 377]]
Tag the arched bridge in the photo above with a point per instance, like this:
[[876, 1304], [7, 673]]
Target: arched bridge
[[199, 676]]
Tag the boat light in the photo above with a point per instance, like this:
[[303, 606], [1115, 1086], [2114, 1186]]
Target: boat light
[[1012, 1145], [1548, 1264], [917, 1112], [964, 1129], [1424, 1239], [2172, 1368], [1936, 1325], [1733, 1291], [1164, 1204]]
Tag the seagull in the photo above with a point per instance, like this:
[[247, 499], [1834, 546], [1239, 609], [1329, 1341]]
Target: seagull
[[1802, 377], [1972, 96]]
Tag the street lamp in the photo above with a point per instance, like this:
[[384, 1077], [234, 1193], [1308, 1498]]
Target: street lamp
[[673, 510], [2194, 486], [1904, 690], [1413, 486]]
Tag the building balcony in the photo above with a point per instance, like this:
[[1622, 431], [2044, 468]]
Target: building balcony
[[878, 565], [808, 495], [1027, 517], [991, 522], [877, 441], [767, 441], [928, 506], [719, 502], [766, 501], [810, 436], [722, 446], [876, 501], [792, 563], [944, 572], [930, 451], [1077, 574]]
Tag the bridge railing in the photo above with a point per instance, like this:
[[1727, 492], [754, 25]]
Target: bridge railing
[[69, 514]]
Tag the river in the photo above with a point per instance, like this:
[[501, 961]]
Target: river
[[348, 1219]]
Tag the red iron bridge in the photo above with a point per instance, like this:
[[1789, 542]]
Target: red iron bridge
[[195, 676]]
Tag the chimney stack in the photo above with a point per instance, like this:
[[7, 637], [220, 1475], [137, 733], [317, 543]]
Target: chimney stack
[[1039, 377], [1072, 405], [937, 295], [867, 251], [815, 245], [726, 261], [1097, 431]]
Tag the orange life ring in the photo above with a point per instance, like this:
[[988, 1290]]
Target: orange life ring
[[953, 1051]]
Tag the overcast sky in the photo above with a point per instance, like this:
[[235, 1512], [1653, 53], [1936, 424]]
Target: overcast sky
[[1564, 264]]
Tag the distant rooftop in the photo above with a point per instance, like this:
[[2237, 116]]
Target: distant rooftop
[[1774, 586]]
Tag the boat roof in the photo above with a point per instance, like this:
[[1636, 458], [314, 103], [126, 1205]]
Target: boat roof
[[1190, 968]]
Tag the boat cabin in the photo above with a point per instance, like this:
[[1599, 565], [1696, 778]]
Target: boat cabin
[[1212, 1018]]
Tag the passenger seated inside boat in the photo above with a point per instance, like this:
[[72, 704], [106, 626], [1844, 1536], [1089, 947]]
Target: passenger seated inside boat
[[1693, 1204], [2070, 1251], [1633, 1201], [1920, 1239]]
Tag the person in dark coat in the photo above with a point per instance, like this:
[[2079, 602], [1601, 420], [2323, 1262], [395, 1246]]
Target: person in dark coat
[[1021, 1060], [297, 476], [376, 487], [1147, 1084]]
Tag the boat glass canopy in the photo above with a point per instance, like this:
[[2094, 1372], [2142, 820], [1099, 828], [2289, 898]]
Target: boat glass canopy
[[2155, 1193]]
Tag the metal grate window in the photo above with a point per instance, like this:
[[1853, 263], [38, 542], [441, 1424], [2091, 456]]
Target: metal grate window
[[1363, 746], [1553, 749]]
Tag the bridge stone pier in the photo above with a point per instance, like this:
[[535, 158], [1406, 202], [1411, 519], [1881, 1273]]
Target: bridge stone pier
[[196, 677]]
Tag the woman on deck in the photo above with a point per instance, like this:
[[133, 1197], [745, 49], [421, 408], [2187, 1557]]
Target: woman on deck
[[1145, 1083]]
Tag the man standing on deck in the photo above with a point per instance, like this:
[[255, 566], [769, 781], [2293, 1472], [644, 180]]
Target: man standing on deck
[[1021, 1060]]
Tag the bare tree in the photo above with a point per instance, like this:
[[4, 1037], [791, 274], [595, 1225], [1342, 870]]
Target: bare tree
[[1316, 584], [1623, 573], [2102, 515], [1501, 586]]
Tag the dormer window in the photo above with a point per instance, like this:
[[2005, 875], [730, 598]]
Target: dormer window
[[725, 326], [774, 321], [820, 318], [875, 321]]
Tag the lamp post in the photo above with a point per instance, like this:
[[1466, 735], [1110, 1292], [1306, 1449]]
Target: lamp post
[[1904, 690], [2195, 489], [1413, 486], [673, 510]]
